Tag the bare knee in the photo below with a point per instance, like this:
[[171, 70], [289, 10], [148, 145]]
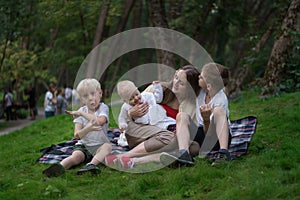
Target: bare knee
[[182, 117], [78, 156], [106, 147]]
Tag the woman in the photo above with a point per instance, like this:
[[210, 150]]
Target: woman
[[213, 128], [147, 139]]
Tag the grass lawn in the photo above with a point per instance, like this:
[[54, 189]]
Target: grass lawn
[[270, 170]]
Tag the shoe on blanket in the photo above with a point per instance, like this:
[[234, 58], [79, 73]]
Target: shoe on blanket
[[89, 168], [54, 170], [125, 163], [176, 158], [111, 160], [223, 155]]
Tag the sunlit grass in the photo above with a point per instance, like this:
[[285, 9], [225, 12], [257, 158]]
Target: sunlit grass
[[270, 170]]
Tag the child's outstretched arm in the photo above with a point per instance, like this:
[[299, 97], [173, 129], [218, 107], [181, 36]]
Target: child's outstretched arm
[[80, 131], [90, 117]]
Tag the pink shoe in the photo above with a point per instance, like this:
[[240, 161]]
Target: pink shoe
[[126, 162], [111, 160]]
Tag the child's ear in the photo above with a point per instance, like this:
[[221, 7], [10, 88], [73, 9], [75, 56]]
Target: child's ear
[[208, 87]]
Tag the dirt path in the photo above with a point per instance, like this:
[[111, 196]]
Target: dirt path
[[21, 123], [15, 125]]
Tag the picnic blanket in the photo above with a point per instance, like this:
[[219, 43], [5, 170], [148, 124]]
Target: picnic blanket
[[242, 131], [57, 152]]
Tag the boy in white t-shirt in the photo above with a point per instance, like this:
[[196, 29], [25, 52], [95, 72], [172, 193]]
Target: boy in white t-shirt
[[91, 122]]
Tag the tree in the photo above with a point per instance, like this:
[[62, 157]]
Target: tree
[[158, 19], [101, 23], [277, 62]]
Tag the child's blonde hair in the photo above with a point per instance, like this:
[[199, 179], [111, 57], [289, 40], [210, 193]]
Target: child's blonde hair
[[88, 82]]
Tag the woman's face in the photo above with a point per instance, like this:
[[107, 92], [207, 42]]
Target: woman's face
[[179, 83]]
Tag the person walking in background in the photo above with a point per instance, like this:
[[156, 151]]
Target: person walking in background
[[50, 101], [30, 93], [68, 94], [62, 103], [8, 104]]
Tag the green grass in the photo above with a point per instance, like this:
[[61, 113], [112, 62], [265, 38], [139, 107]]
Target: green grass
[[270, 170]]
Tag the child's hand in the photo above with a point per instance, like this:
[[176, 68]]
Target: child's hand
[[75, 113], [122, 128], [93, 125], [206, 111]]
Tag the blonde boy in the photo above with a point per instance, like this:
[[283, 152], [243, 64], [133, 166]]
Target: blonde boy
[[91, 122]]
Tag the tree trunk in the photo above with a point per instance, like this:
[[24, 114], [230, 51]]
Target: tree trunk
[[101, 23], [84, 32], [241, 74], [262, 16], [158, 19], [137, 16], [276, 64], [91, 71], [175, 9], [124, 18], [203, 16], [53, 37], [128, 5]]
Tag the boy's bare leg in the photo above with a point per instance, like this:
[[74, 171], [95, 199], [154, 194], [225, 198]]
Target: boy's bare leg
[[221, 123], [103, 151], [76, 158]]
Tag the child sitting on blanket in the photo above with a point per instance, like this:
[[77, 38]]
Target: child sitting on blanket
[[131, 96], [91, 122]]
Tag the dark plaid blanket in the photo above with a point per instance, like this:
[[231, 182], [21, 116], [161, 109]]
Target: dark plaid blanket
[[57, 152], [242, 131]]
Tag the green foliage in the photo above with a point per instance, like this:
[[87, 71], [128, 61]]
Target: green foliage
[[60, 34], [270, 170], [21, 66]]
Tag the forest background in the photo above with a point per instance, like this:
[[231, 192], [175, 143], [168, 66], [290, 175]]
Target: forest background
[[44, 41]]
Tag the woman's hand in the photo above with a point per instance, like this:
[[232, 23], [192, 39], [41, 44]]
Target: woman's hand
[[138, 110]]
